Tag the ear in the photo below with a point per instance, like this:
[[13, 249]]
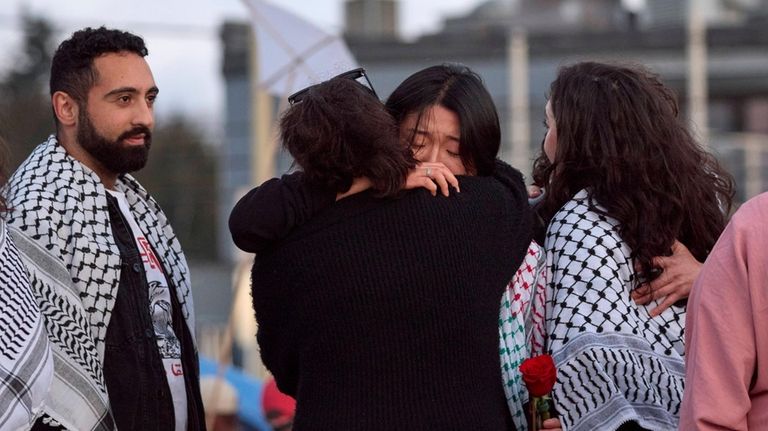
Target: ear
[[65, 108]]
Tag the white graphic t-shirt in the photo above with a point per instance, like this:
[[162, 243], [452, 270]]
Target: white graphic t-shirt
[[160, 311]]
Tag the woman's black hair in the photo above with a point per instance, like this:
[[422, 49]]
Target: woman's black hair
[[460, 90]]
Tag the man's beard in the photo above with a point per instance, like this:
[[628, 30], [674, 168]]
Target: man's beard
[[115, 156]]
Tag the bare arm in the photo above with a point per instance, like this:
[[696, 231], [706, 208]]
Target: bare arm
[[679, 271]]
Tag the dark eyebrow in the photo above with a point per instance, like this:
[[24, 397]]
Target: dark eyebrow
[[132, 90]]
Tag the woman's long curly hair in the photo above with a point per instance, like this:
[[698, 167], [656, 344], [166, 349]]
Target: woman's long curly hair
[[619, 135], [340, 131]]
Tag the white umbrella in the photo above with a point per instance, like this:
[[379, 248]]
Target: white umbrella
[[294, 53]]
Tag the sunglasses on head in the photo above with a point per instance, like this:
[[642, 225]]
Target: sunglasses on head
[[358, 75]]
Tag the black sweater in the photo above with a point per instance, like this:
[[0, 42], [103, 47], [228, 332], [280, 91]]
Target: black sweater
[[269, 212], [383, 314]]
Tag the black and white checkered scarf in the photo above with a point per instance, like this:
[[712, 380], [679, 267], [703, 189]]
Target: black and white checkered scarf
[[60, 223], [26, 364], [615, 363]]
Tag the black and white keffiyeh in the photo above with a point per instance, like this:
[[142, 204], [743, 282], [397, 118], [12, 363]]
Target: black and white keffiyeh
[[615, 363], [60, 223], [26, 364]]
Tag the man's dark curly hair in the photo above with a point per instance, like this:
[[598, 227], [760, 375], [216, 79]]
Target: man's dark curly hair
[[72, 69], [340, 131], [620, 136]]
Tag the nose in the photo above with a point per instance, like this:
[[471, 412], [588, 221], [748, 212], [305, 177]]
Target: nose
[[433, 152], [144, 115]]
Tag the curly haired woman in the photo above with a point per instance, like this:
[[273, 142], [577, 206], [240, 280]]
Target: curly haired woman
[[624, 181]]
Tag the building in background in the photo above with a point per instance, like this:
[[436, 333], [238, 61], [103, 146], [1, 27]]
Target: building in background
[[666, 13], [540, 16], [551, 33], [373, 19]]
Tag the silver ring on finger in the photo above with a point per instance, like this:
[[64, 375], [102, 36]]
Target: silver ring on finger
[[429, 172]]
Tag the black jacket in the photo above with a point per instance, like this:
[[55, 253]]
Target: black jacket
[[138, 390]]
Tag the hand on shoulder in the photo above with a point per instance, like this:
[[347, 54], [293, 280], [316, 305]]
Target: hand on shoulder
[[678, 272]]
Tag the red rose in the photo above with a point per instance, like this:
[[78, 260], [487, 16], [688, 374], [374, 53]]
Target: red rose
[[539, 375]]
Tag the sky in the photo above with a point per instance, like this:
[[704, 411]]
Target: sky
[[183, 37]]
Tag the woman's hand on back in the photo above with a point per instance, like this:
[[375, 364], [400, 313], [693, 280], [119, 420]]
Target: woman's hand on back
[[432, 176], [678, 272], [428, 175]]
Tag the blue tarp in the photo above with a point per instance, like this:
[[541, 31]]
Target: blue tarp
[[248, 389]]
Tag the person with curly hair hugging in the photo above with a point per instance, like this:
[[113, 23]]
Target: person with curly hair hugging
[[624, 181]]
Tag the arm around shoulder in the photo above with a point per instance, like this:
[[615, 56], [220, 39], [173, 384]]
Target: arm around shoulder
[[269, 212]]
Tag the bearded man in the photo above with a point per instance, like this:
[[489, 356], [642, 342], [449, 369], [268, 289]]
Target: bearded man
[[101, 255]]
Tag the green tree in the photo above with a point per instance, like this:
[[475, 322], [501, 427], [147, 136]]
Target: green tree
[[25, 109], [181, 175]]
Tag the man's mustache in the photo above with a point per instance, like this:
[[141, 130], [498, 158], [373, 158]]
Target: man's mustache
[[138, 130]]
